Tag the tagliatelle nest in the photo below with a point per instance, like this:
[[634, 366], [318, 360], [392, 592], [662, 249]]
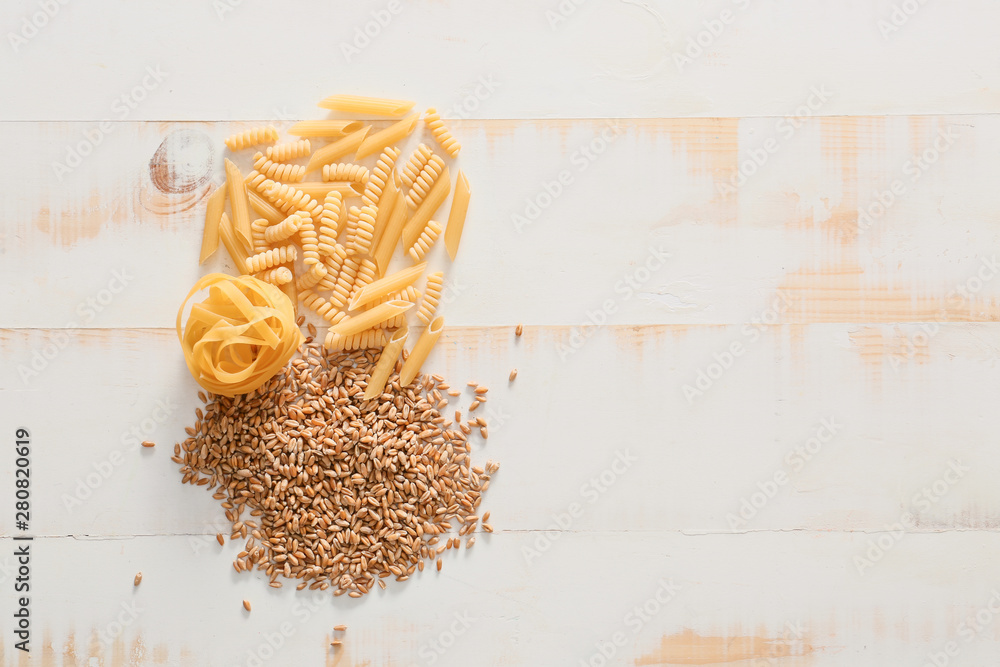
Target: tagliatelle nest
[[240, 336]]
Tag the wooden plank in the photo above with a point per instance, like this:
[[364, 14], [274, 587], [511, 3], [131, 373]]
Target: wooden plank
[[828, 427], [805, 235], [789, 598], [594, 59]]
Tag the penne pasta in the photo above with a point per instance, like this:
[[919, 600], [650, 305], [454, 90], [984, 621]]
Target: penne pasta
[[337, 149], [357, 104], [420, 351], [238, 202], [324, 128], [390, 236], [393, 134], [213, 215], [371, 317], [456, 217], [384, 210], [421, 216], [386, 363], [264, 208], [319, 189], [388, 285], [233, 245]]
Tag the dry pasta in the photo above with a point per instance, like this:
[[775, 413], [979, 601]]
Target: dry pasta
[[386, 363], [456, 216], [390, 236], [420, 351], [239, 203], [380, 176], [320, 189], [440, 133], [324, 128], [425, 240], [264, 208], [367, 273], [234, 247], [278, 171], [329, 222], [273, 257], [356, 104], [387, 285], [252, 137], [364, 231], [283, 229], [345, 171], [239, 336], [411, 294], [333, 262], [288, 151], [309, 241], [359, 341], [213, 215], [345, 282], [425, 180], [427, 208], [290, 199], [416, 163], [310, 278], [370, 318], [337, 149], [385, 205], [279, 275], [258, 230], [318, 304], [432, 293], [395, 133], [351, 226]]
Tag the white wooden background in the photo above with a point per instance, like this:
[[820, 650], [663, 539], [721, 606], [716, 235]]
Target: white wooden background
[[883, 330]]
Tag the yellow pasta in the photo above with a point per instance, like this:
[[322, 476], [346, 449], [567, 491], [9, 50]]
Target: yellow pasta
[[366, 274], [411, 294], [320, 189], [379, 106], [258, 229], [386, 363], [283, 229], [278, 171], [456, 217], [425, 181], [239, 202], [395, 133], [364, 231], [289, 151], [415, 164], [264, 208], [276, 276], [351, 226], [333, 263], [345, 171], [318, 304], [345, 282], [380, 176], [234, 247], [420, 351], [288, 289], [425, 240], [309, 241], [329, 222], [432, 293], [252, 137], [337, 149], [385, 205], [390, 236], [273, 257], [239, 336], [324, 128], [388, 285], [289, 199], [368, 319], [213, 215], [310, 278], [359, 341], [440, 133], [427, 208]]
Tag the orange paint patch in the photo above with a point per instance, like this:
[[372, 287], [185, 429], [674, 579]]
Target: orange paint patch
[[844, 294], [711, 144], [881, 345], [690, 648]]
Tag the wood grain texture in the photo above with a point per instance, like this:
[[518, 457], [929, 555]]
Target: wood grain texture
[[753, 421]]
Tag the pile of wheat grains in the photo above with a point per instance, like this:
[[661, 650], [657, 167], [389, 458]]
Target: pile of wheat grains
[[329, 488]]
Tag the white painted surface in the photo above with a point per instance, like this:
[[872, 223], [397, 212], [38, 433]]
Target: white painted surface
[[889, 334]]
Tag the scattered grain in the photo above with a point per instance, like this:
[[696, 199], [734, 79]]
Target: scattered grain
[[246, 605], [148, 443], [519, 330], [513, 374], [137, 580]]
